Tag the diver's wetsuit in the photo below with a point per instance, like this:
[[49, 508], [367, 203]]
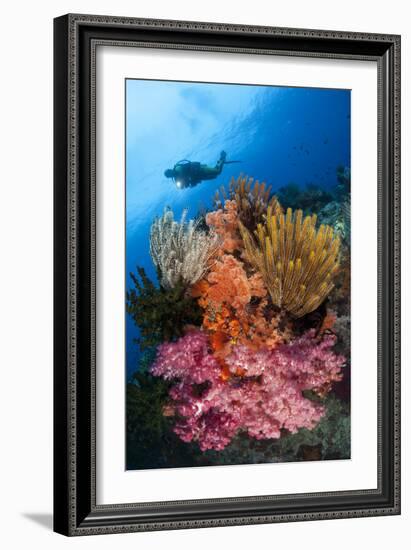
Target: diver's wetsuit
[[189, 174]]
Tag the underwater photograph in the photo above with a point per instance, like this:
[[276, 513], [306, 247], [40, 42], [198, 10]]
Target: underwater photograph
[[238, 297]]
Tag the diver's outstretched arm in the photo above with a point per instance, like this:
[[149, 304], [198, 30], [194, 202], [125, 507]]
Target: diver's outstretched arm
[[221, 161]]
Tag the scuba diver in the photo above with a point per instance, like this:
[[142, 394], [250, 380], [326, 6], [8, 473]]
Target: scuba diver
[[189, 174]]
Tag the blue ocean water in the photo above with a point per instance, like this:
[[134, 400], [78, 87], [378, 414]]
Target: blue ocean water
[[280, 134]]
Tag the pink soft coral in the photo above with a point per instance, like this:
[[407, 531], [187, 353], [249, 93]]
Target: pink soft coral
[[188, 360], [262, 395]]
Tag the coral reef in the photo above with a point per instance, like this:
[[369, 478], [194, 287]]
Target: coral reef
[[251, 197], [310, 199], [342, 328], [245, 341], [328, 440], [263, 395], [159, 314], [297, 262], [346, 220], [337, 211], [151, 442], [343, 181], [180, 251], [146, 423], [338, 215], [328, 322]]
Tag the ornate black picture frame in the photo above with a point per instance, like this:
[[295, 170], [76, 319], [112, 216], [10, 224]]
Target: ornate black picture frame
[[75, 40]]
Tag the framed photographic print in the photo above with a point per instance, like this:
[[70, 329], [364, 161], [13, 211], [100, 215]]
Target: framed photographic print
[[226, 275]]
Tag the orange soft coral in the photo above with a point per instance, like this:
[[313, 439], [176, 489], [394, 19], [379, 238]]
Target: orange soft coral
[[264, 332], [235, 308], [228, 283], [227, 286], [225, 224]]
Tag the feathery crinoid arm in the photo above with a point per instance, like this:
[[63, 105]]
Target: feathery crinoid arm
[[180, 250]]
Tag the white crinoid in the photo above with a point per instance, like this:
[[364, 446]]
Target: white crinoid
[[180, 251]]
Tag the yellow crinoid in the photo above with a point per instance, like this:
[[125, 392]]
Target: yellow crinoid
[[298, 262]]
